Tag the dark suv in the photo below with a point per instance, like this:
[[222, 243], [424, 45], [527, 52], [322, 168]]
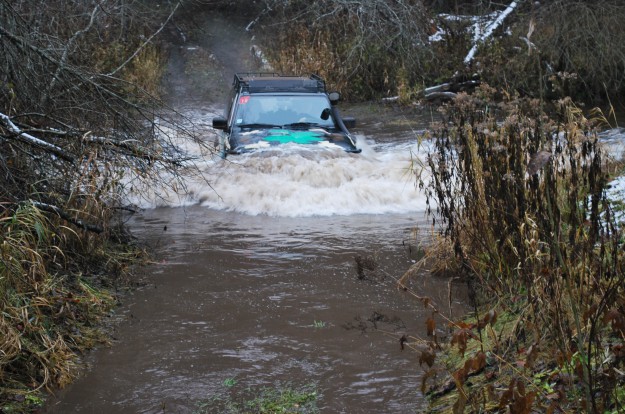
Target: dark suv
[[267, 109]]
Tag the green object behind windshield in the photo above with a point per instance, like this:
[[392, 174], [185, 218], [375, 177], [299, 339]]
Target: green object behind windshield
[[299, 137]]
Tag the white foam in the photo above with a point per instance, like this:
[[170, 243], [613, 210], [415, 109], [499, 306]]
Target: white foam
[[299, 181]]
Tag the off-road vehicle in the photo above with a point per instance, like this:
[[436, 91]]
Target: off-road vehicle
[[268, 109]]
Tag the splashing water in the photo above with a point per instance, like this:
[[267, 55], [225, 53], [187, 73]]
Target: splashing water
[[307, 182], [302, 181]]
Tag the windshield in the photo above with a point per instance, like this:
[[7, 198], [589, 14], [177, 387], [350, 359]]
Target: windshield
[[280, 110]]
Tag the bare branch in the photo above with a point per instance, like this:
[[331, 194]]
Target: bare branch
[[65, 216], [488, 31], [147, 41], [16, 133], [69, 46]]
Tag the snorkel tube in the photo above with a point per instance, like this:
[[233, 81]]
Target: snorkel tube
[[334, 99]]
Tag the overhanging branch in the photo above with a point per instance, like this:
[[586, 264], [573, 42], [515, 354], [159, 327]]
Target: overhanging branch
[[19, 135]]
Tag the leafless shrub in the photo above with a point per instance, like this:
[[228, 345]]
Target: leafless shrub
[[79, 105], [80, 123], [546, 49]]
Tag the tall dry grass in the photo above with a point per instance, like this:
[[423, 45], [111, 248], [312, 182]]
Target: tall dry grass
[[46, 316], [520, 195], [362, 49]]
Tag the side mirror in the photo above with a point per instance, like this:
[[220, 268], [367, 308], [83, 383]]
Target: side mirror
[[349, 122], [325, 114], [334, 98], [220, 123]]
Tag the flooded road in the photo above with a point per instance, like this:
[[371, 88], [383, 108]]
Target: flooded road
[[266, 302], [255, 286], [255, 283]]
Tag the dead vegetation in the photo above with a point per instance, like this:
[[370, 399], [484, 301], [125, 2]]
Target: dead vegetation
[[371, 49], [53, 302], [80, 126], [362, 48], [542, 255], [522, 201]]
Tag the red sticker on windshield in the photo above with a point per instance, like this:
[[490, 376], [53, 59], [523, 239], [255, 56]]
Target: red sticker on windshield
[[244, 99]]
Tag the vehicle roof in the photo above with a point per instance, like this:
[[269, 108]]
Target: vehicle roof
[[265, 82]]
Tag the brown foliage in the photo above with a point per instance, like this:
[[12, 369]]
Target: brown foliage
[[361, 48], [461, 338], [616, 319], [516, 399], [428, 357], [536, 235], [431, 326]]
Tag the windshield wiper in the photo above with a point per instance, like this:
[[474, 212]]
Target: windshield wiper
[[259, 125], [302, 125]]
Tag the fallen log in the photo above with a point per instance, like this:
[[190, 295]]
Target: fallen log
[[19, 135], [448, 91]]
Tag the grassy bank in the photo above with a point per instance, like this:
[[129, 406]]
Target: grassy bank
[[520, 194], [78, 123], [56, 290]]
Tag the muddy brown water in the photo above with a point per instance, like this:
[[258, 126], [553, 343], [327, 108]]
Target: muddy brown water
[[255, 283], [268, 302]]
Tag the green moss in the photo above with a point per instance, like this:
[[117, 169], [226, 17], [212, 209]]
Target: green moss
[[280, 399]]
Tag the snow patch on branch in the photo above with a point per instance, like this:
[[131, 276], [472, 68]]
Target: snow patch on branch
[[488, 31], [474, 23], [25, 137]]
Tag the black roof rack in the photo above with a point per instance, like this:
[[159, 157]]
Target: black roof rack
[[254, 82]]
